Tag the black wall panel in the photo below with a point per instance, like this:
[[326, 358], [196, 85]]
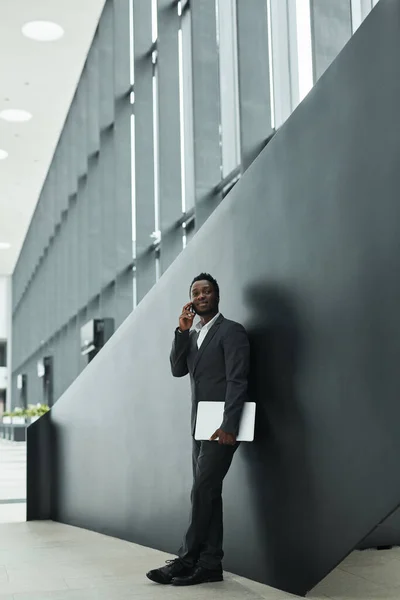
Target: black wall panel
[[306, 248], [39, 469], [385, 534]]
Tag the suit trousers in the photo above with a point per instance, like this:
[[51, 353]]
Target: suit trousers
[[202, 543]]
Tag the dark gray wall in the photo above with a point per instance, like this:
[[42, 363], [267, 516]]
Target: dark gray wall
[[39, 469], [385, 534], [307, 249]]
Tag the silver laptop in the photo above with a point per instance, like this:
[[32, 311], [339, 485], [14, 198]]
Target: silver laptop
[[210, 416]]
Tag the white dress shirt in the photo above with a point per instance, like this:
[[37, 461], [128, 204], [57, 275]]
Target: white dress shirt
[[204, 329]]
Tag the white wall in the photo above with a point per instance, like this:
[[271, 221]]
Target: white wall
[[5, 307]]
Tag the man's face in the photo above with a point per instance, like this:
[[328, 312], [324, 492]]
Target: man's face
[[204, 298]]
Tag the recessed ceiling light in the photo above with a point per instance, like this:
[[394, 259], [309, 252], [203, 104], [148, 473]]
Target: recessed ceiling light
[[43, 31], [5, 246], [15, 116], [3, 154]]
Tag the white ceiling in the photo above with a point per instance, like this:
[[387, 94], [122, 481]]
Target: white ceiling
[[40, 77]]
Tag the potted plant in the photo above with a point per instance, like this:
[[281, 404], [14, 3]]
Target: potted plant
[[22, 416], [34, 412], [18, 416], [6, 418]]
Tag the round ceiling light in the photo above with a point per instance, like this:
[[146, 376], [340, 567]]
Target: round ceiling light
[[43, 31], [15, 116], [5, 246], [3, 154]]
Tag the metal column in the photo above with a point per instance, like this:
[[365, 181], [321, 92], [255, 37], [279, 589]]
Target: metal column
[[169, 134], [144, 145], [206, 108], [331, 30], [254, 78]]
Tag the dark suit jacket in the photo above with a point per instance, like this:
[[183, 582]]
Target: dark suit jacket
[[218, 370]]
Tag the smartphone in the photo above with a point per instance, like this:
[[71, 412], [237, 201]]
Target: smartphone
[[192, 309]]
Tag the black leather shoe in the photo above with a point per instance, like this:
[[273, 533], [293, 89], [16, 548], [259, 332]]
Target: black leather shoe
[[198, 576], [165, 575]]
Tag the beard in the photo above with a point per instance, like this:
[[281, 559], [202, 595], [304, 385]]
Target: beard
[[207, 310]]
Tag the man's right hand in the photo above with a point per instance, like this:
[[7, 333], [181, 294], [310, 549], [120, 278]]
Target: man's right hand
[[186, 318]]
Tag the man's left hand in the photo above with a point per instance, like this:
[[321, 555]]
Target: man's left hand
[[227, 439]]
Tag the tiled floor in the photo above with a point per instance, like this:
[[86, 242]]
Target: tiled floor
[[46, 561]]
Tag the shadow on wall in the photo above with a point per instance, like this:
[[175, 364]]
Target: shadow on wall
[[280, 447]]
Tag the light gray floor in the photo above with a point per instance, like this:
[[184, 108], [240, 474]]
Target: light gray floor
[[45, 561], [12, 481]]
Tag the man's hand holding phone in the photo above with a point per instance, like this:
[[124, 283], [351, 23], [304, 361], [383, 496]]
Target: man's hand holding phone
[[186, 318]]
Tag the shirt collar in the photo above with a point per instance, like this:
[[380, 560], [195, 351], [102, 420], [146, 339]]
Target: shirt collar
[[199, 326]]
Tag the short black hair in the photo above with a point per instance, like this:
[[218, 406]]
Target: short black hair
[[206, 277]]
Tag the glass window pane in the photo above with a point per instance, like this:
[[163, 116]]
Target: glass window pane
[[186, 92], [228, 74]]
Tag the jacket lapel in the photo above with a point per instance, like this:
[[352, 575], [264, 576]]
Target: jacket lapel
[[206, 341]]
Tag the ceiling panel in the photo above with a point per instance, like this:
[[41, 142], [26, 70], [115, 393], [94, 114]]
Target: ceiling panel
[[40, 77]]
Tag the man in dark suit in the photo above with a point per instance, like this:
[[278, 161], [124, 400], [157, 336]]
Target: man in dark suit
[[216, 355]]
